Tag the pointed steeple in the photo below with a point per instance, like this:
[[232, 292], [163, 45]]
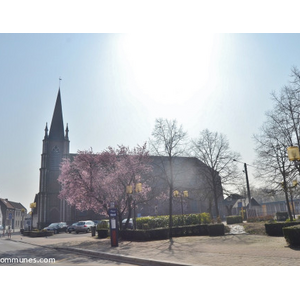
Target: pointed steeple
[[46, 131], [57, 125], [67, 133]]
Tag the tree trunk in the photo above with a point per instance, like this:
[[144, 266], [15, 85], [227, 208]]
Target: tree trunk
[[287, 198], [171, 198]]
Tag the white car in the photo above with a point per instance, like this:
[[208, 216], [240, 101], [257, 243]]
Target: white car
[[84, 226]]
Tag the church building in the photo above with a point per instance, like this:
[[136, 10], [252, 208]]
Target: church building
[[189, 175], [49, 208]]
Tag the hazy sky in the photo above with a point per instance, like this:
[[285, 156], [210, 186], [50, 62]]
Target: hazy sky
[[114, 86]]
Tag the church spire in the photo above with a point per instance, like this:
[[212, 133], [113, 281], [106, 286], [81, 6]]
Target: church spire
[[46, 131], [57, 125], [67, 133]]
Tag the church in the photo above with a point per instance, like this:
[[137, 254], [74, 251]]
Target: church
[[189, 176], [49, 208]]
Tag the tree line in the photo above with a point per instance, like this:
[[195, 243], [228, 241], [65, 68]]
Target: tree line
[[280, 130]]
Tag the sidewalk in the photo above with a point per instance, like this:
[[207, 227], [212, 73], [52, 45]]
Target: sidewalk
[[228, 250]]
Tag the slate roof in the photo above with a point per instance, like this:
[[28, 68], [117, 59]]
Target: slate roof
[[17, 205], [57, 125], [253, 203], [7, 203]]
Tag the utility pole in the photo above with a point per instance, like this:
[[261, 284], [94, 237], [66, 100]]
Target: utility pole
[[248, 188]]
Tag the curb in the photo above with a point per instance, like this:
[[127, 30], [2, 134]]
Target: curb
[[108, 256], [121, 258]]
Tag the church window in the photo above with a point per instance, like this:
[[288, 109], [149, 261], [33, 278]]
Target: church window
[[55, 149]]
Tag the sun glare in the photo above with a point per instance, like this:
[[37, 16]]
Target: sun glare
[[168, 68]]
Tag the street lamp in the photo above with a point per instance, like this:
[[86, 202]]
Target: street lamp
[[247, 181], [32, 206], [184, 194], [293, 153], [129, 191]]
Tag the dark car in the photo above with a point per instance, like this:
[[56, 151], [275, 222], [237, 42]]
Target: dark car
[[57, 227], [130, 223], [72, 227]]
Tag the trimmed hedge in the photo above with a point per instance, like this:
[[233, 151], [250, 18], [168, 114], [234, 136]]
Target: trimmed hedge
[[163, 233], [190, 230], [234, 219], [144, 235], [216, 229], [275, 229], [292, 235], [178, 220], [102, 233], [36, 233]]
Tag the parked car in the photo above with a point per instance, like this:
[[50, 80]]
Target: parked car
[[72, 227], [130, 223], [57, 227], [84, 226]]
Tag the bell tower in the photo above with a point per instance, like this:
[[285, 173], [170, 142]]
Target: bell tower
[[55, 147]]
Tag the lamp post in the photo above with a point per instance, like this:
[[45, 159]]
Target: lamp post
[[184, 194], [32, 206], [129, 191], [247, 181], [22, 214], [294, 155]]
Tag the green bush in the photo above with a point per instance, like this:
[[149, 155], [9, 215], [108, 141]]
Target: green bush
[[234, 219], [292, 235], [276, 229], [178, 220], [103, 224], [289, 220], [152, 222], [205, 218], [216, 229]]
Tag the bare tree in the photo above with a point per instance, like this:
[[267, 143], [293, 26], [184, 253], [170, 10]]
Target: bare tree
[[272, 162], [168, 141], [280, 130], [212, 148]]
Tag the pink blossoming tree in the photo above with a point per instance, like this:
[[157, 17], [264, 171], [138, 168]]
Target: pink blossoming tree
[[92, 181]]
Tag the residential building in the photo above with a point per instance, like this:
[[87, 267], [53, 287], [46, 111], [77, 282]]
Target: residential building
[[12, 214]]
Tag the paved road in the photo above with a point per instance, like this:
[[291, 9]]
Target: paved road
[[22, 254], [228, 250]]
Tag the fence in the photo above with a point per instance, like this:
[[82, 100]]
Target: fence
[[270, 208]]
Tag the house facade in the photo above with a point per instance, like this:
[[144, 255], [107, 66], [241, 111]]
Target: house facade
[[12, 214]]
